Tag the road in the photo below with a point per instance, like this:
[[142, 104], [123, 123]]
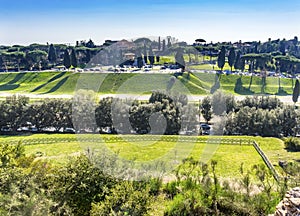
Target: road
[[192, 98]]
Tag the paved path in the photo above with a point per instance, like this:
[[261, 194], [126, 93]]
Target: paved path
[[284, 99]]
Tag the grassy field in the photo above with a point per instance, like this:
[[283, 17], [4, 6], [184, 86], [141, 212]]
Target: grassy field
[[229, 157], [128, 83]]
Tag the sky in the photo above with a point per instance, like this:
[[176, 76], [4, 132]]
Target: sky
[[66, 21]]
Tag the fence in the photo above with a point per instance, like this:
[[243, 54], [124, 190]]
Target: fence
[[266, 160], [134, 138]]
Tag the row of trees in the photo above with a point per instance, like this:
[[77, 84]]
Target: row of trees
[[275, 47], [37, 56], [258, 61], [163, 114], [258, 115]]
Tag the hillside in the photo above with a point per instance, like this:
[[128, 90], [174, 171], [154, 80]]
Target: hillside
[[57, 83]]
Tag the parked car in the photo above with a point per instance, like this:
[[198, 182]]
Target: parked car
[[205, 127], [69, 130]]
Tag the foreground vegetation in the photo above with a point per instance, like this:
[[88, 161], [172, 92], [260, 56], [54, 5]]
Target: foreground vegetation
[[32, 183]]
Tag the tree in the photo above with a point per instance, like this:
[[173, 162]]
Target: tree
[[238, 61], [139, 59], [151, 56], [80, 183], [145, 54], [15, 57], [14, 112], [164, 45], [52, 54], [288, 64], [35, 58], [205, 109], [67, 59], [282, 46], [296, 92], [250, 58], [83, 110], [179, 59], [157, 58], [88, 56], [1, 61], [231, 57], [287, 119], [74, 62], [218, 103], [125, 199], [103, 113], [169, 42], [200, 40], [221, 58], [90, 44], [159, 44]]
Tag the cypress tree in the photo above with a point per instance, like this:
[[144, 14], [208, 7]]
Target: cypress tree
[[164, 45], [157, 58], [238, 63], [73, 58], [221, 58], [296, 91], [145, 54], [231, 57], [67, 59], [159, 44], [139, 59], [180, 60], [169, 42], [52, 54], [151, 56]]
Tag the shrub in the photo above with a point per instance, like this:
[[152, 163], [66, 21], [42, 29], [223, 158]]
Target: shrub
[[124, 199], [292, 144]]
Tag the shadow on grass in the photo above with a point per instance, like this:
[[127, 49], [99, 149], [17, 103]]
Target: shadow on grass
[[216, 85], [32, 77], [16, 79], [3, 77], [282, 92], [240, 89], [57, 86], [11, 85], [49, 81]]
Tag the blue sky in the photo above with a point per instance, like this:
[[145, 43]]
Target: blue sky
[[65, 21]]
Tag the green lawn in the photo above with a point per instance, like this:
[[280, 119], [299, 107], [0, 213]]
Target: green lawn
[[275, 151], [229, 157], [130, 83]]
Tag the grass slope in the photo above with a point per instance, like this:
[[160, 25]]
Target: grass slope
[[196, 83]]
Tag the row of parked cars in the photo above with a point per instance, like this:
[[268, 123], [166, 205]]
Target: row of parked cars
[[205, 129]]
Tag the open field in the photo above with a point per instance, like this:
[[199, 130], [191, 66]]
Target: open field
[[60, 83], [57, 148]]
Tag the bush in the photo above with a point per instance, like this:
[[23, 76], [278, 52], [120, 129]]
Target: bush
[[124, 199], [292, 144], [188, 203]]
